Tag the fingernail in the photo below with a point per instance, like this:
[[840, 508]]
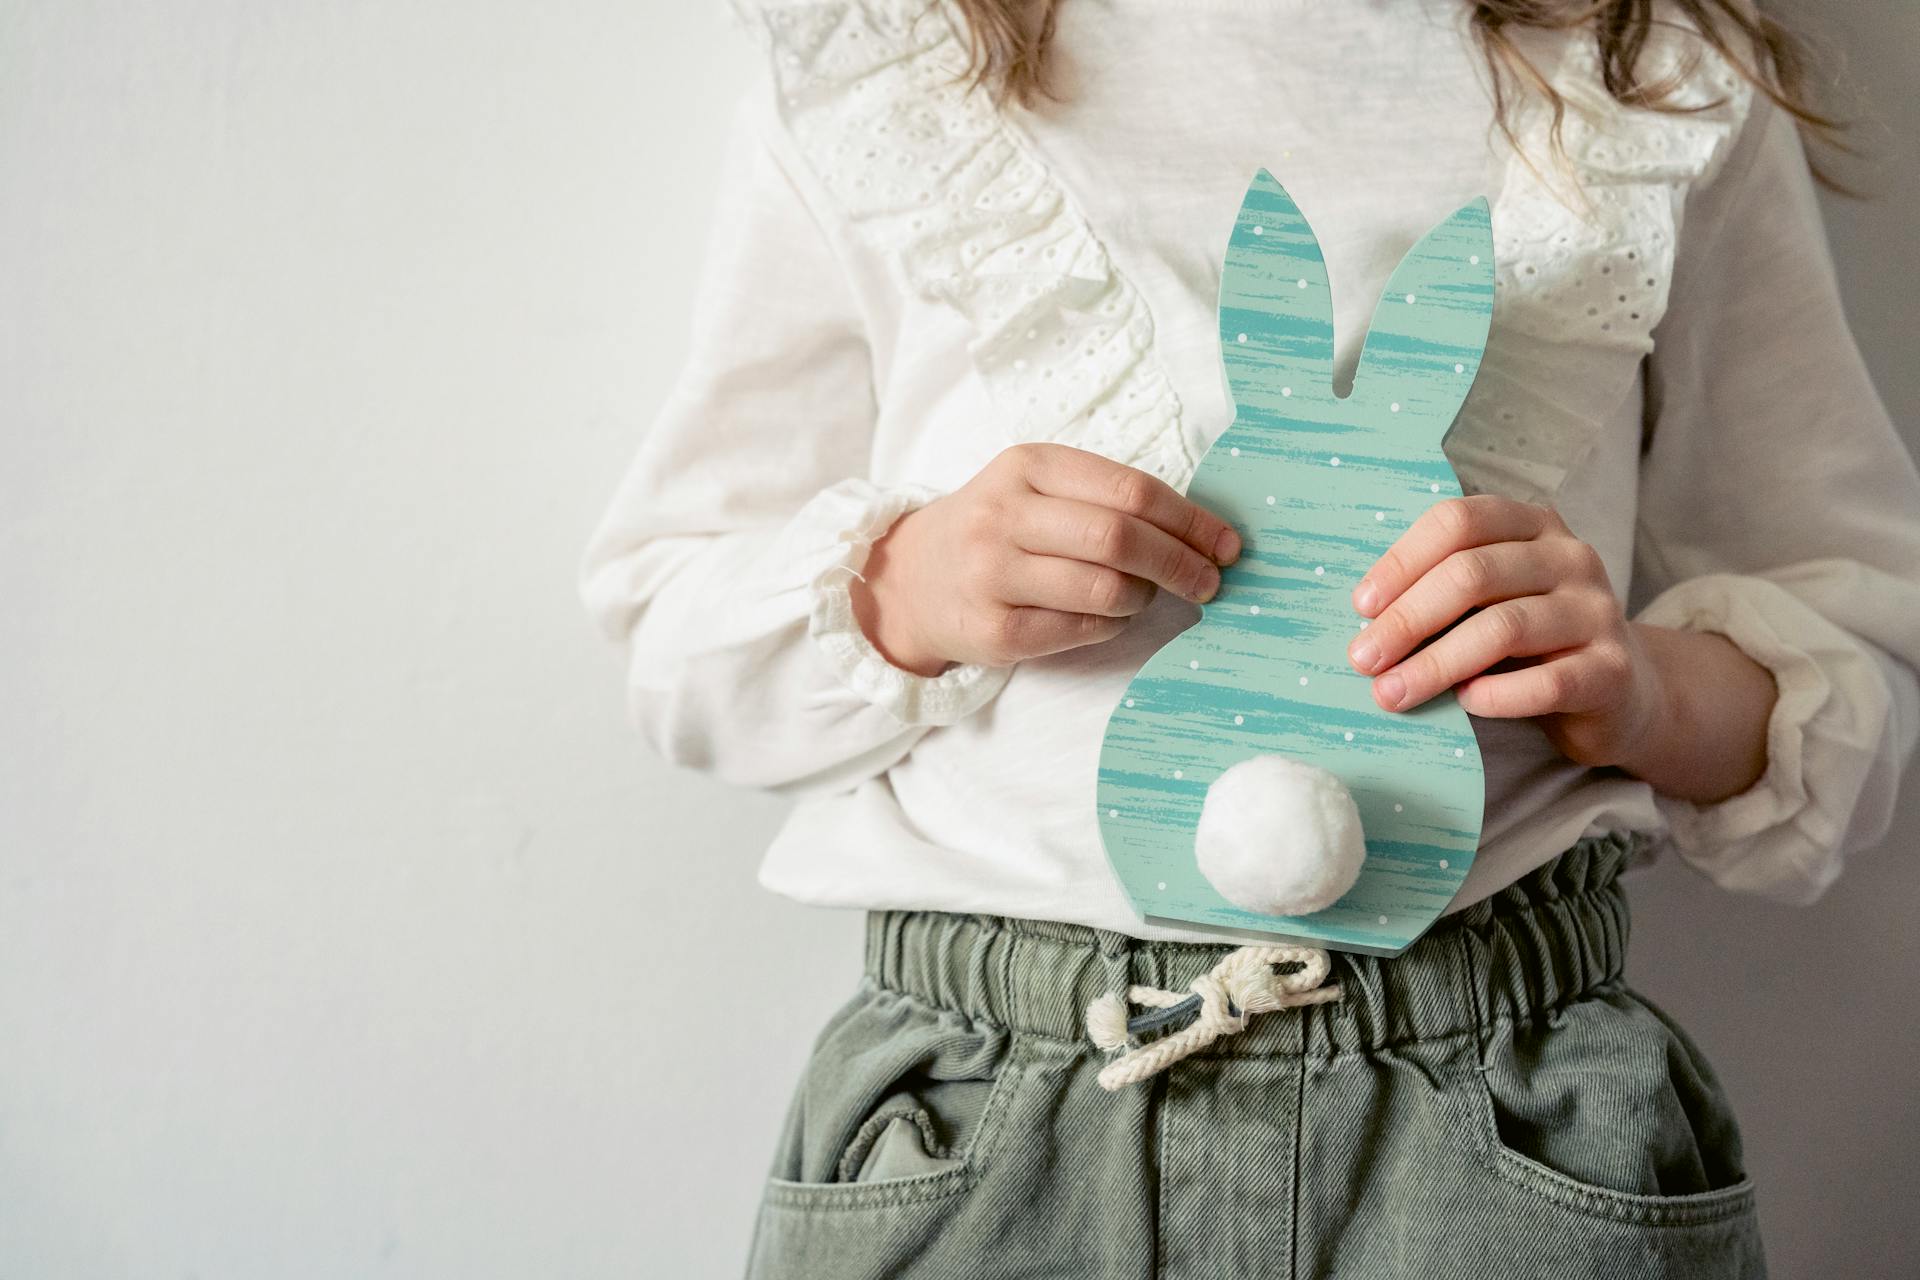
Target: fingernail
[[1226, 546], [1208, 586], [1365, 654], [1392, 689], [1363, 596]]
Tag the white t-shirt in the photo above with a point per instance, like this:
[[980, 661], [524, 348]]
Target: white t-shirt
[[904, 279]]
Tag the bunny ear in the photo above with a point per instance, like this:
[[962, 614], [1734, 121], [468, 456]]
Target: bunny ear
[[1276, 315], [1430, 326]]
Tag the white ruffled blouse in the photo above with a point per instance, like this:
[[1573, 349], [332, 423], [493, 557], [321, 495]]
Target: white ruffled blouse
[[903, 279]]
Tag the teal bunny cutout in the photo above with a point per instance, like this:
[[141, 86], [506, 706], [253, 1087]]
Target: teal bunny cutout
[[1318, 487]]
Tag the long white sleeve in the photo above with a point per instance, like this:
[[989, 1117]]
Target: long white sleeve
[[1780, 508], [723, 561]]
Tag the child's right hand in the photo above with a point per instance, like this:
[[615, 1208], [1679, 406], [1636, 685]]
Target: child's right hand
[[1048, 548]]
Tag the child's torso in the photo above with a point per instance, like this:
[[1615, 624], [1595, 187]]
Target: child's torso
[[1068, 293]]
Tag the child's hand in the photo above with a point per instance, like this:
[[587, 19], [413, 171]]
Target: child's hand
[[1048, 548], [1545, 592]]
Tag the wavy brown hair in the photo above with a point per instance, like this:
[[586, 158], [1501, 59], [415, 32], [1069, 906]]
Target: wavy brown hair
[[1009, 40]]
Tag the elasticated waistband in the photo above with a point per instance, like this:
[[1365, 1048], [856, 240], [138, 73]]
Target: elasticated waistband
[[1551, 937]]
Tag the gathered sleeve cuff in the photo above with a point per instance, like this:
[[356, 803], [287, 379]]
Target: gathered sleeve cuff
[[845, 520], [1833, 767]]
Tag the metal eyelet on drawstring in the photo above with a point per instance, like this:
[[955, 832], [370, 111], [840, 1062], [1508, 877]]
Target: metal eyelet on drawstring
[[1247, 981]]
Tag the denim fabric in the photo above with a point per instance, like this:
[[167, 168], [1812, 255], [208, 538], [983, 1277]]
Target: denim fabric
[[1494, 1102]]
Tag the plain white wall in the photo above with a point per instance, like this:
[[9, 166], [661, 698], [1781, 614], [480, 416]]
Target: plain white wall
[[345, 926]]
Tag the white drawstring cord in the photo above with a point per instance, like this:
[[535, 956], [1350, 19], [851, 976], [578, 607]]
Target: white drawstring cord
[[1247, 981]]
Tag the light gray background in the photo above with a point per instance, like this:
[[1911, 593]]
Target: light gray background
[[345, 927]]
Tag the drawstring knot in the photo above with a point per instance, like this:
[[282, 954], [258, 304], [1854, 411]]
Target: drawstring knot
[[1250, 980]]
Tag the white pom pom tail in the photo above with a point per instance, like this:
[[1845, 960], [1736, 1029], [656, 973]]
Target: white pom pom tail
[[1279, 836]]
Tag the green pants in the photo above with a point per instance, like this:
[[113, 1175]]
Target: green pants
[[1494, 1102]]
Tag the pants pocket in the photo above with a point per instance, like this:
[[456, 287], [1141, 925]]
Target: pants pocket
[[1607, 1108], [896, 1103]]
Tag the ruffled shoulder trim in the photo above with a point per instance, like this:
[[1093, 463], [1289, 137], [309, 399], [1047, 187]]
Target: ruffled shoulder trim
[[937, 181], [1584, 256], [935, 178]]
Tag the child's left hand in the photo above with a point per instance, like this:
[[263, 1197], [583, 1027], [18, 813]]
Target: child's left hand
[[1533, 590]]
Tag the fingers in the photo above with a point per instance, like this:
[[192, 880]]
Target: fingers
[[1101, 535], [1033, 632], [1465, 580], [1442, 529], [1583, 680], [1061, 471], [1074, 586], [1522, 627]]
